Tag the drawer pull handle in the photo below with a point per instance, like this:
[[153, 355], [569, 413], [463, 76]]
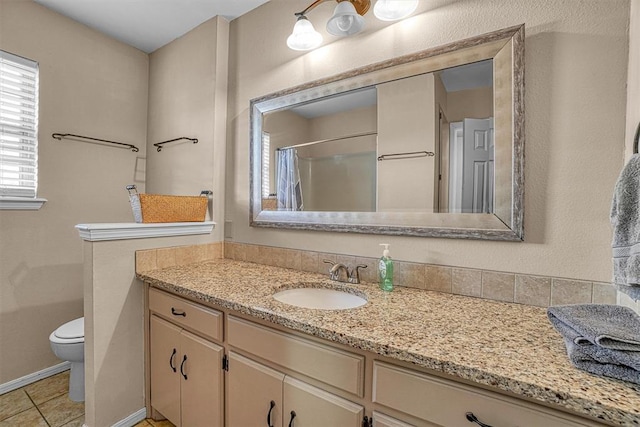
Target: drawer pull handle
[[293, 415], [178, 312], [473, 419], [271, 406], [184, 359], [171, 360]]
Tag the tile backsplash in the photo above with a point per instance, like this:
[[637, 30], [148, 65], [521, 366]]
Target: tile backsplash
[[155, 259], [540, 291]]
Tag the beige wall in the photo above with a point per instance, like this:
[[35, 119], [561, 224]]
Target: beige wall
[[187, 97], [568, 179], [470, 104], [114, 327], [633, 104], [358, 120], [89, 85], [406, 124], [633, 82]]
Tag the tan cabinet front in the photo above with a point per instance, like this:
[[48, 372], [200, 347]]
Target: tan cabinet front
[[382, 420], [330, 365], [186, 376], [443, 402], [309, 406], [254, 393], [203, 320], [202, 382], [165, 380], [261, 396]]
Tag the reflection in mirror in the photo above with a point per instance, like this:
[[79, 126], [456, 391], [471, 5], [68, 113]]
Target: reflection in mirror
[[428, 144], [336, 142], [466, 153]]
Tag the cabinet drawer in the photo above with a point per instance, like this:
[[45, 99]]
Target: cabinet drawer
[[445, 402], [189, 315], [338, 368], [382, 420]]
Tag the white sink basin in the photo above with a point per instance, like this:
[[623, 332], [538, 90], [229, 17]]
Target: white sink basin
[[320, 298]]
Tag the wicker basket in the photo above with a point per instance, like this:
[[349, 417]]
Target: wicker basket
[[154, 208]]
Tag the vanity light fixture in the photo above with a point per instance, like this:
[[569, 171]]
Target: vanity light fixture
[[347, 19], [393, 10], [304, 36]]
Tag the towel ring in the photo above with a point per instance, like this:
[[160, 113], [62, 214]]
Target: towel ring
[[635, 140]]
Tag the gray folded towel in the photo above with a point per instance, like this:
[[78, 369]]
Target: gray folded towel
[[609, 326], [632, 291], [625, 219], [602, 361], [619, 364]]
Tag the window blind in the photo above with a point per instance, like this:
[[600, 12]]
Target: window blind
[[18, 126]]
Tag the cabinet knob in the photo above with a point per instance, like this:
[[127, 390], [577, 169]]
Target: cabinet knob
[[293, 415], [473, 419], [184, 359], [271, 406], [171, 360]]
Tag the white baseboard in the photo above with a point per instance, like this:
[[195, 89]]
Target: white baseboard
[[132, 419], [32, 378]]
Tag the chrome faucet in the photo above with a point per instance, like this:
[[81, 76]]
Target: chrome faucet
[[351, 276], [354, 277], [334, 271]]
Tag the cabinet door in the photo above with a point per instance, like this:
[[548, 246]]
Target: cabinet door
[[317, 408], [251, 387], [165, 379], [202, 387]]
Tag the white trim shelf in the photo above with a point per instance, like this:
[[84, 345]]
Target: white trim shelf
[[131, 230], [21, 203]]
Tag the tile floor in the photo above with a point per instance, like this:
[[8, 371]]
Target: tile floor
[[46, 404]]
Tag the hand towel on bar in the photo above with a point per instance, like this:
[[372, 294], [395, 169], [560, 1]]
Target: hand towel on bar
[[625, 219], [609, 326]]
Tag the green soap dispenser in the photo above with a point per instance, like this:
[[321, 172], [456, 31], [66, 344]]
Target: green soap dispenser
[[385, 270]]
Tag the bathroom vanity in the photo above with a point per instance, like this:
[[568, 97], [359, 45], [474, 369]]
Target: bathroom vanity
[[222, 349]]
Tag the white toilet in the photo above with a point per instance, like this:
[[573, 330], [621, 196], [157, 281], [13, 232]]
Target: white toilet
[[67, 342]]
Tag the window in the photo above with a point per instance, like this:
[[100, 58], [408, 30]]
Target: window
[[18, 131]]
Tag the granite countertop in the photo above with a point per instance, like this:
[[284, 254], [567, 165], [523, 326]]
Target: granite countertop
[[511, 347]]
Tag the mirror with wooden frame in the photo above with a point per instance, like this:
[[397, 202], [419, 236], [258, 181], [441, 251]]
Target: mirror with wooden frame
[[428, 144]]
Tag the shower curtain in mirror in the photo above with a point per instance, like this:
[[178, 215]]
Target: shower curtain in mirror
[[289, 192]]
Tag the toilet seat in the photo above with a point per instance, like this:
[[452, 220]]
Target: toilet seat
[[70, 333]]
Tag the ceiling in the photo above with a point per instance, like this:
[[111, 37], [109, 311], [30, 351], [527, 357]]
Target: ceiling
[[148, 24]]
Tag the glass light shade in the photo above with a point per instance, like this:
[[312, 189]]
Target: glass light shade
[[345, 20], [392, 10], [304, 36]]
